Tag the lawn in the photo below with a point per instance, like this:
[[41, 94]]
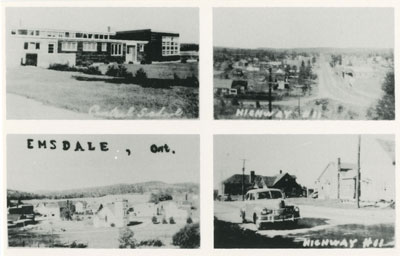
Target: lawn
[[105, 100]]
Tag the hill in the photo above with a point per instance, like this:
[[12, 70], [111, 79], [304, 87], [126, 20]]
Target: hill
[[116, 189]]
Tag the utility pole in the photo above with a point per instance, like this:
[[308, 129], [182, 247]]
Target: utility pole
[[338, 179], [243, 170], [358, 177], [270, 92], [299, 107]]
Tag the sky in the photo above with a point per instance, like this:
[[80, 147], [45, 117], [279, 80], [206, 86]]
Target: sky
[[305, 156], [184, 21], [304, 27], [44, 169]]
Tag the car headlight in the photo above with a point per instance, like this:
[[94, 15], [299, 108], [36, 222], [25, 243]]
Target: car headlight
[[296, 209]]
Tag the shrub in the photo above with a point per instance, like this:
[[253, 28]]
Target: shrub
[[151, 242], [164, 221], [189, 220], [188, 236], [62, 67], [92, 71], [141, 75], [126, 238], [171, 220], [117, 71], [154, 220]]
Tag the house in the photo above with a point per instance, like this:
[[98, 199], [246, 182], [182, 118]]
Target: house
[[20, 215], [113, 214], [283, 181], [222, 86], [80, 207], [43, 47], [48, 210], [338, 180]]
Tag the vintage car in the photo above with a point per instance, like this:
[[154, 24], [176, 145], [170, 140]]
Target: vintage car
[[266, 205]]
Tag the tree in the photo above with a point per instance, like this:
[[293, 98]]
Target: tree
[[68, 211], [188, 236], [385, 108], [126, 238]]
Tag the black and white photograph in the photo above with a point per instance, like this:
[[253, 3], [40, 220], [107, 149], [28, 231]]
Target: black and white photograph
[[304, 63], [72, 63], [103, 191], [304, 191]]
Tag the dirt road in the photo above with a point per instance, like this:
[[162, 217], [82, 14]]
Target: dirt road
[[331, 86]]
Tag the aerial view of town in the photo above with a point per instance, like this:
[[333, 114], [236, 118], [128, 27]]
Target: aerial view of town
[[103, 191], [342, 72], [117, 66]]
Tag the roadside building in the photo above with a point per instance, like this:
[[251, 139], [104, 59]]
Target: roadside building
[[112, 214], [43, 47], [338, 180], [283, 181]]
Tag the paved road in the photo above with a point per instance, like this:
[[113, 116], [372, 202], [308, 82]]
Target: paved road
[[19, 107]]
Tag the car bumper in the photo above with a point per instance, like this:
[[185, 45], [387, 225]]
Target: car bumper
[[274, 218]]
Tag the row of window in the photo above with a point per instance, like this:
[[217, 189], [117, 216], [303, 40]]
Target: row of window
[[116, 48], [170, 45], [26, 32]]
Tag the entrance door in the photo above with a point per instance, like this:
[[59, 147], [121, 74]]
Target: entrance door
[[31, 59], [131, 54]]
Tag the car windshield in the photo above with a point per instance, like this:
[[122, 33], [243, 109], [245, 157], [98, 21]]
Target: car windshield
[[269, 195]]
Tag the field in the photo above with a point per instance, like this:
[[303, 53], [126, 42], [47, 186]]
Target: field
[[65, 97]]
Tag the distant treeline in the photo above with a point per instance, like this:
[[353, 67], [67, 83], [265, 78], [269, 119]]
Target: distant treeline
[[106, 190], [189, 47], [275, 54], [223, 54]]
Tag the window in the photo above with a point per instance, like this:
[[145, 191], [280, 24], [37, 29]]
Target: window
[[116, 49], [37, 46], [31, 32], [69, 46], [101, 36], [141, 47], [103, 47], [23, 32], [170, 45], [89, 46], [51, 48], [66, 34], [13, 32], [26, 45], [96, 36], [78, 35], [37, 33]]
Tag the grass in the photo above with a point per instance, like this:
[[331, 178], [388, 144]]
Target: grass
[[61, 90]]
